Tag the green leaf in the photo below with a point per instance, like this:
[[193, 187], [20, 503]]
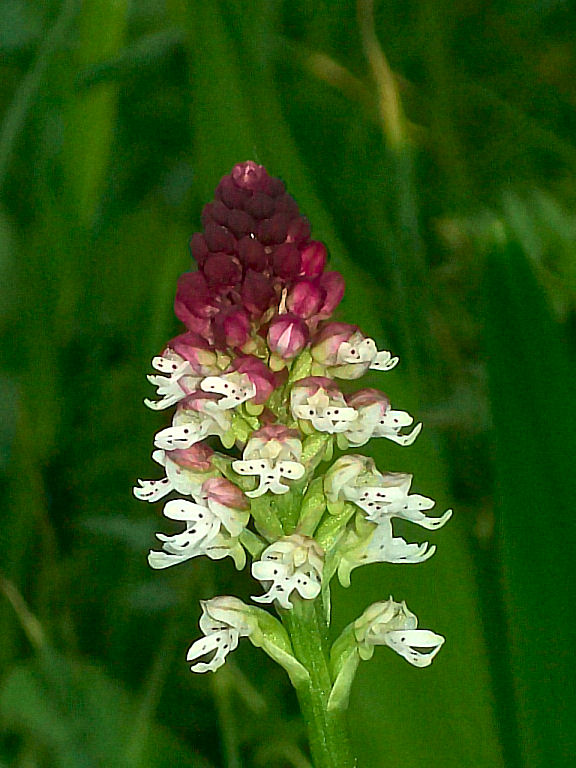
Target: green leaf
[[532, 390]]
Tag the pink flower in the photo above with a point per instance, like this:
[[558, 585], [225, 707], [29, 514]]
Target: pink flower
[[259, 374], [313, 257], [305, 298], [334, 285], [231, 328], [196, 350], [287, 336], [327, 341]]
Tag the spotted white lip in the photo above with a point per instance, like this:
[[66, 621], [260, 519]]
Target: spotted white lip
[[269, 473]]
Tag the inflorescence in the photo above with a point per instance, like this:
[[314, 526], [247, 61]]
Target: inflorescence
[[257, 369]]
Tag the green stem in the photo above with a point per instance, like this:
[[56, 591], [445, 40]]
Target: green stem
[[327, 731]]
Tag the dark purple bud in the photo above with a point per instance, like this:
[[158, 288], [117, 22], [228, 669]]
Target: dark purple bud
[[313, 259], [257, 293], [305, 298], [287, 204], [231, 328], [199, 248], [240, 223], [215, 212], [274, 230], [287, 336], [230, 194], [219, 238], [286, 260], [298, 230], [252, 254], [274, 187], [260, 205], [222, 269]]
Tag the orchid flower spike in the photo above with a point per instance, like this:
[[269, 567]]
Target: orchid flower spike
[[247, 458]]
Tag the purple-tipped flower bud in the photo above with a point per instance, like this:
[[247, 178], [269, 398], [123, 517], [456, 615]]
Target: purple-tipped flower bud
[[222, 491], [231, 328], [197, 456], [273, 231], [327, 341], [196, 351], [287, 336], [305, 298]]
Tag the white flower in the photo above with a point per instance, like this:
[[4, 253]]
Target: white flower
[[271, 454], [223, 622], [212, 529], [186, 470], [389, 497], [393, 624], [235, 388], [378, 545], [317, 400], [375, 418], [179, 380], [292, 563], [192, 424], [364, 353]]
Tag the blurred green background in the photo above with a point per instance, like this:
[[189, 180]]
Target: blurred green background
[[431, 144]]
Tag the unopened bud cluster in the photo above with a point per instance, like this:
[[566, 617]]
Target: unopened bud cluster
[[258, 412]]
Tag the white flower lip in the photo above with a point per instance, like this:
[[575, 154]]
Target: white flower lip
[[219, 643], [269, 473], [325, 413], [291, 564], [168, 386], [235, 389], [210, 529]]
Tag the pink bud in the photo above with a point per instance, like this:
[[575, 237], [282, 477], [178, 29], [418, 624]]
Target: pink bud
[[197, 457], [305, 298], [287, 336], [334, 285], [313, 259], [194, 304], [223, 492], [196, 350], [231, 328], [199, 248], [259, 374]]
